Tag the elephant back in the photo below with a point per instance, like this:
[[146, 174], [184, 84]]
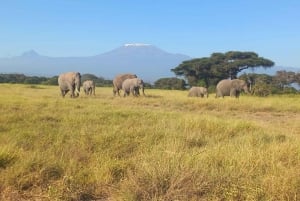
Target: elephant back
[[197, 91], [119, 79], [69, 77], [193, 91], [223, 88], [88, 83], [238, 84]]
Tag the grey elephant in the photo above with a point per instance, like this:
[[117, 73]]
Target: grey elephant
[[118, 81], [89, 87], [198, 92], [231, 88], [69, 81], [133, 86]]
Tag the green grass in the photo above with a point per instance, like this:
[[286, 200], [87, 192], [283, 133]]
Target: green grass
[[165, 146]]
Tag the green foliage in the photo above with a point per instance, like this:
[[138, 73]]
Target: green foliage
[[99, 81], [219, 66], [264, 85], [23, 79], [51, 81], [284, 79], [12, 78], [35, 80], [170, 83]]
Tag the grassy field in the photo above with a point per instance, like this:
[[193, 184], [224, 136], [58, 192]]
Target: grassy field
[[165, 146]]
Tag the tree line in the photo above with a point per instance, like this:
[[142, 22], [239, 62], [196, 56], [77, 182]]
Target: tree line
[[206, 71], [260, 84], [24, 79]]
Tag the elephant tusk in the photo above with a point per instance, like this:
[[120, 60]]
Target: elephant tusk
[[77, 91]]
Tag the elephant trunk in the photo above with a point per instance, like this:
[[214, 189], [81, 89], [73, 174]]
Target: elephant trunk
[[143, 90], [142, 86], [246, 90]]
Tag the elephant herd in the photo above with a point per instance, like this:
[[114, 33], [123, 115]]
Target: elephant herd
[[71, 81], [131, 84], [224, 88]]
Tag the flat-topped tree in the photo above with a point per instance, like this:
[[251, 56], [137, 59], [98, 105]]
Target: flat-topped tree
[[219, 66]]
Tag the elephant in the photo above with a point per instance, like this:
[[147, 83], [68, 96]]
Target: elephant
[[69, 81], [198, 92], [89, 87], [231, 88], [119, 79], [133, 86]]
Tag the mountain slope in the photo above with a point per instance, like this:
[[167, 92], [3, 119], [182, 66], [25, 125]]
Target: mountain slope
[[147, 61]]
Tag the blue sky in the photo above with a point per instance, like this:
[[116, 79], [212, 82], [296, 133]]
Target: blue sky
[[192, 27]]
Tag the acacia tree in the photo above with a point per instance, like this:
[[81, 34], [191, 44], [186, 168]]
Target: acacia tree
[[297, 78], [219, 66], [284, 78]]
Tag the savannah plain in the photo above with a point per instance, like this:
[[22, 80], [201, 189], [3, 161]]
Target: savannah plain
[[162, 147]]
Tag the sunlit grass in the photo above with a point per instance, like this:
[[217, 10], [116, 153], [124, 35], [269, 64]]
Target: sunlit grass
[[165, 146]]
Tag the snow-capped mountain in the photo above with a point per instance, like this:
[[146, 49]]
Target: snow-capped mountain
[[147, 61]]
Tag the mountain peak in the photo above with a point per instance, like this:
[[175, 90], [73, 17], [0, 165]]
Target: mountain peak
[[30, 53], [136, 45]]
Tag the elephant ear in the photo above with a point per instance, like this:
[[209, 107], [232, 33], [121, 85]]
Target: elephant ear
[[238, 84], [243, 83], [235, 84], [73, 75]]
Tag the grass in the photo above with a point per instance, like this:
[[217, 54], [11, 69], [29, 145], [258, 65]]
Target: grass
[[165, 146]]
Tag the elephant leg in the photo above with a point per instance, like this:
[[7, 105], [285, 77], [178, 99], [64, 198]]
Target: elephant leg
[[136, 91], [232, 92], [116, 91], [132, 91], [72, 89], [63, 93], [72, 93], [219, 94]]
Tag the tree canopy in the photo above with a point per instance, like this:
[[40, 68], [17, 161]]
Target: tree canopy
[[170, 83], [219, 66]]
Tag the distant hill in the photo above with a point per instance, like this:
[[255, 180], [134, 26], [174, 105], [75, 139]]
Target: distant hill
[[147, 61]]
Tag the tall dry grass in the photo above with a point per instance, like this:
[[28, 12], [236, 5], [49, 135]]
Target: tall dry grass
[[165, 146]]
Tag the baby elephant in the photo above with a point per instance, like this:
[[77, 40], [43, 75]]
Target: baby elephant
[[198, 92], [133, 86], [89, 87]]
